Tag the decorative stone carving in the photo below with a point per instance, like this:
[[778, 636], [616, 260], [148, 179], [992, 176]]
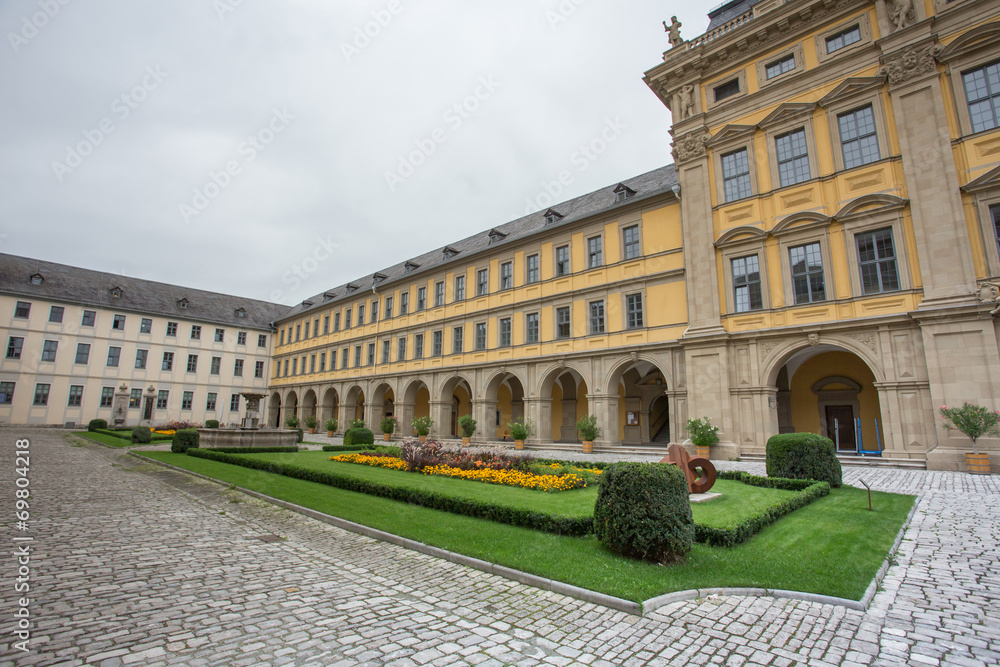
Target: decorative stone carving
[[990, 293], [674, 30], [901, 13], [866, 338], [634, 356], [687, 101], [910, 64], [690, 146], [813, 339], [766, 347]]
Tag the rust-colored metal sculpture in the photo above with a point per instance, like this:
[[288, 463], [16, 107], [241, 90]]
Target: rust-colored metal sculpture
[[679, 457]]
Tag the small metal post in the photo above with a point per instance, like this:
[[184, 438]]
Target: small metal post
[[869, 494]]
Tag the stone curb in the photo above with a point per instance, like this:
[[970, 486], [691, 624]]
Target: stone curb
[[866, 599], [586, 595]]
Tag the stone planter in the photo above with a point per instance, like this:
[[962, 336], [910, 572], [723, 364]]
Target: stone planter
[[588, 446], [978, 464]]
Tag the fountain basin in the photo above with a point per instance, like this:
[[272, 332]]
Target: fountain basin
[[236, 437]]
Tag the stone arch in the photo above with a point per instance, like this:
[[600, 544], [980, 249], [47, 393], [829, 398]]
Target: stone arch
[[330, 406], [548, 376], [274, 410], [457, 396], [636, 384], [291, 403], [383, 402], [568, 394], [309, 403], [354, 404], [777, 359], [504, 397]]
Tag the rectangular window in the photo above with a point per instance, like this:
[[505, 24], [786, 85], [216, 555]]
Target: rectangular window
[[146, 325], [312, 363], [216, 366], [357, 356], [481, 335], [404, 303], [562, 260], [286, 368], [258, 367], [531, 328], [633, 311], [505, 330], [630, 242], [858, 137], [316, 327], [281, 337], [459, 288], [140, 358], [56, 315], [747, 294], [374, 311], [119, 323], [482, 282], [42, 395], [843, 38], [326, 324], [371, 354], [531, 269], [736, 175], [727, 89], [388, 307], [192, 365], [343, 357], [779, 67], [806, 262], [135, 398], [336, 321], [168, 361], [295, 366], [22, 309], [14, 346], [162, 397], [107, 397], [418, 346], [195, 332], [241, 337], [75, 395], [982, 94], [238, 368], [262, 340], [439, 293], [89, 317], [49, 349], [793, 157], [234, 402], [995, 214], [401, 349], [347, 318], [114, 353], [171, 328], [437, 344], [595, 254], [596, 317], [187, 398], [421, 298], [563, 325], [7, 393], [457, 340], [877, 261], [82, 353], [210, 401], [506, 275], [333, 360], [361, 315], [385, 351]]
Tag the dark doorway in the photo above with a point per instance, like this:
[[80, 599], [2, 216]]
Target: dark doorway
[[147, 411], [840, 423]]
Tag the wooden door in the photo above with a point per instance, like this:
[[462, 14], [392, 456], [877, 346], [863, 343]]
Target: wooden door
[[840, 420]]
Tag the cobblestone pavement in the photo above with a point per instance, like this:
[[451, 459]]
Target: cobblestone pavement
[[136, 565]]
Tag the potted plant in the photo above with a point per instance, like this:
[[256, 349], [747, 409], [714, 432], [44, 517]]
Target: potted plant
[[589, 431], [520, 430], [311, 423], [468, 426], [422, 425], [292, 422], [388, 425], [703, 435], [356, 423], [974, 421], [331, 426]]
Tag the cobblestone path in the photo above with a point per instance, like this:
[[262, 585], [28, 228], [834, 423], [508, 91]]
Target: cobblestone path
[[136, 565]]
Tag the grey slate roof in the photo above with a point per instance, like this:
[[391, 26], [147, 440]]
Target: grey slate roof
[[727, 12], [646, 185], [70, 284]]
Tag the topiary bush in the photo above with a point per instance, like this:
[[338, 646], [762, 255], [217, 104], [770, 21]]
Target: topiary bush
[[643, 512], [211, 423], [184, 440], [96, 424], [299, 435], [803, 456], [358, 436], [140, 435]]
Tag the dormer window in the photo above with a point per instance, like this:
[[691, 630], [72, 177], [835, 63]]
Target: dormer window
[[328, 295], [351, 287], [496, 236], [36, 279], [306, 303], [182, 303], [378, 277], [116, 293], [449, 252], [410, 267], [241, 313], [623, 192], [552, 216]]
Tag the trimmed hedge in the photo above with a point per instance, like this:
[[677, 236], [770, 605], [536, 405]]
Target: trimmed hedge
[[343, 448], [359, 436], [643, 512], [250, 450], [808, 491], [803, 456], [211, 423], [140, 435], [559, 525], [300, 436], [184, 440], [96, 424]]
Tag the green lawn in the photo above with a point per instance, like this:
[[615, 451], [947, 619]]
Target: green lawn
[[832, 546], [104, 439]]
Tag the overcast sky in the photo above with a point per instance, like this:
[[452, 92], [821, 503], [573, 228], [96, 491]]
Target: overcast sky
[[277, 149]]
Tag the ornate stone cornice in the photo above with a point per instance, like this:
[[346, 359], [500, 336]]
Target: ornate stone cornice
[[910, 63], [690, 146]]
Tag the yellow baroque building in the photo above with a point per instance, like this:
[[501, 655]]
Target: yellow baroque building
[[819, 258]]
